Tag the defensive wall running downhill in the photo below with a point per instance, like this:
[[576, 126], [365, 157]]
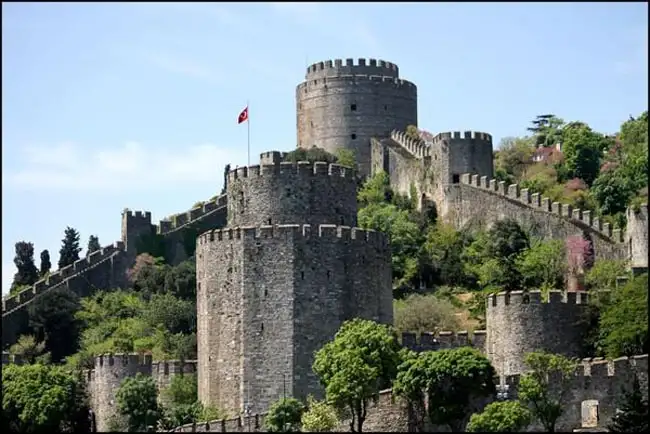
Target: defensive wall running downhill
[[592, 402], [262, 294], [346, 104], [485, 201], [102, 269]]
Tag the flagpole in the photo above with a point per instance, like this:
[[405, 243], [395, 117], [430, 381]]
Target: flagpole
[[248, 131]]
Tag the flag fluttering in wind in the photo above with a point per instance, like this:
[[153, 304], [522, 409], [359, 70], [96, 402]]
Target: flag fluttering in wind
[[243, 116]]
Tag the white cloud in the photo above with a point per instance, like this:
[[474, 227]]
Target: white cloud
[[182, 66], [70, 167]]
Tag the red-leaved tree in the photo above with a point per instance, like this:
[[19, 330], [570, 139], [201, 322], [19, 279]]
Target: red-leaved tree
[[580, 257]]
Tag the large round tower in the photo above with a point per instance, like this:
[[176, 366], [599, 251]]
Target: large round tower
[[519, 323], [270, 295], [344, 105]]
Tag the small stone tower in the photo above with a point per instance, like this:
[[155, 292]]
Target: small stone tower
[[134, 224], [636, 238], [343, 105], [454, 154], [278, 282], [104, 381], [519, 323]]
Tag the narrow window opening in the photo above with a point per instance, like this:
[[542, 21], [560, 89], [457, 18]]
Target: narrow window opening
[[342, 220], [269, 221], [353, 107], [526, 299], [385, 108], [455, 178], [261, 327], [329, 274], [302, 275], [266, 292], [353, 136]]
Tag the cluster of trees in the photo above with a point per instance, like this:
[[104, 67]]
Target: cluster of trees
[[365, 358], [593, 171], [26, 272]]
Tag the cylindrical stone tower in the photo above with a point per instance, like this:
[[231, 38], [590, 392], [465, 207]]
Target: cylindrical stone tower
[[288, 192], [519, 323], [277, 284], [454, 154], [344, 105], [110, 370]]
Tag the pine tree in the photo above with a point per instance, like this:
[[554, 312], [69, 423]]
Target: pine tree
[[46, 264], [70, 248], [632, 416], [27, 272], [93, 244]]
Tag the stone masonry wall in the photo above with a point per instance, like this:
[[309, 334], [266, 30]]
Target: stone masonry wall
[[289, 192], [636, 237], [102, 269], [479, 201], [519, 323], [344, 105], [263, 294], [598, 380], [110, 370]]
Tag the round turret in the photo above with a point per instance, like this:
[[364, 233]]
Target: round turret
[[344, 105], [286, 192], [519, 323]]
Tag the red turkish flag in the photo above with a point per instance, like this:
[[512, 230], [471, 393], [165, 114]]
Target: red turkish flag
[[243, 116]]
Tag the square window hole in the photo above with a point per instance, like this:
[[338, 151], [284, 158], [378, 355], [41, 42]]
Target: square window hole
[[353, 107], [353, 136]]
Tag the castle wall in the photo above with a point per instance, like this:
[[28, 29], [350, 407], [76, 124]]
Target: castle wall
[[285, 279], [481, 202], [520, 323], [292, 192], [345, 105], [636, 237], [444, 340], [595, 379], [110, 370], [102, 269]]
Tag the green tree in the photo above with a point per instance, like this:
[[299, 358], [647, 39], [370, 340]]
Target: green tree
[[284, 415], [27, 273], [52, 318], [632, 416], [444, 246], [319, 417], [69, 247], [451, 380], [93, 245], [624, 320], [424, 313], [28, 349], [546, 129], [545, 389], [182, 389], [137, 401], [543, 265], [582, 150], [46, 264], [360, 361], [612, 192], [313, 154], [603, 275], [346, 157], [42, 398], [514, 155], [500, 416]]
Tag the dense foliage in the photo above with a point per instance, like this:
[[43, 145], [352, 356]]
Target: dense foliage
[[500, 416], [632, 414], [284, 415], [319, 416]]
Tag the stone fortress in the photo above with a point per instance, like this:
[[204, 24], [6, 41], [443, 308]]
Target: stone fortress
[[279, 251]]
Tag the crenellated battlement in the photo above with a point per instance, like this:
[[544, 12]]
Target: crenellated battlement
[[590, 372], [286, 232], [8, 359], [428, 341], [13, 301], [535, 200], [362, 66], [418, 148], [272, 157], [122, 360], [178, 221], [467, 135], [355, 80], [166, 368], [288, 168], [515, 298]]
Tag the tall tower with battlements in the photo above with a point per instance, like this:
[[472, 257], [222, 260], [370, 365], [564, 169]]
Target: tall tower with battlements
[[343, 104], [278, 282]]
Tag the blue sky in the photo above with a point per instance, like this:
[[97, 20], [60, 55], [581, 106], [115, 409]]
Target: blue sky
[[107, 106]]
